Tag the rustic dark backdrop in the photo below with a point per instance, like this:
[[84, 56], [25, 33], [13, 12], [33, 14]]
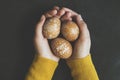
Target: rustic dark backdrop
[[17, 23]]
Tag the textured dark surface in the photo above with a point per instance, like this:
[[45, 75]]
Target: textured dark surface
[[17, 24]]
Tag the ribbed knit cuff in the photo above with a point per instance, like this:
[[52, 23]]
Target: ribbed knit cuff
[[82, 68], [41, 69], [79, 61]]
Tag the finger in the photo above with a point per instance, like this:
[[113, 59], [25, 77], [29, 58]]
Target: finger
[[64, 10], [51, 13], [60, 13], [84, 32], [39, 26], [73, 13], [67, 16], [56, 8], [70, 14], [80, 22]]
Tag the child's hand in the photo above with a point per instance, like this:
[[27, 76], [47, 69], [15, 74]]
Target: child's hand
[[82, 45], [41, 43]]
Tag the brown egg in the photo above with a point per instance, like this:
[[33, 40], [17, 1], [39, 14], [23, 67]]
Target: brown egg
[[70, 30], [61, 48], [51, 28]]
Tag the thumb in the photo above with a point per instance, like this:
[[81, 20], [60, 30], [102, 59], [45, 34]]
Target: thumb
[[40, 24], [82, 25], [84, 32]]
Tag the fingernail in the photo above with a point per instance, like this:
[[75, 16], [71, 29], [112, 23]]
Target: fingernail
[[56, 7], [80, 17], [55, 11], [42, 17]]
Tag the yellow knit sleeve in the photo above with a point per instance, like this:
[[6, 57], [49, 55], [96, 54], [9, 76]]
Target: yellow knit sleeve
[[83, 69], [41, 69]]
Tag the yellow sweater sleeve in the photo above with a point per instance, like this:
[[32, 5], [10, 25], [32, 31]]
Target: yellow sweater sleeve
[[41, 69], [83, 69]]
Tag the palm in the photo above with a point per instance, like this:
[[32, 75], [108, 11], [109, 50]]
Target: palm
[[82, 45], [41, 43]]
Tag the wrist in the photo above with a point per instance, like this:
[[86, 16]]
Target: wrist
[[79, 54], [49, 56]]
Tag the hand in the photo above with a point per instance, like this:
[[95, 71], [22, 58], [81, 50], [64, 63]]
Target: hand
[[41, 43], [83, 44]]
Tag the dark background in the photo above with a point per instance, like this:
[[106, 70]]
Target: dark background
[[17, 23]]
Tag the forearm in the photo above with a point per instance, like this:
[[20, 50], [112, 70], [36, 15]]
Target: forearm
[[83, 69], [41, 69]]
